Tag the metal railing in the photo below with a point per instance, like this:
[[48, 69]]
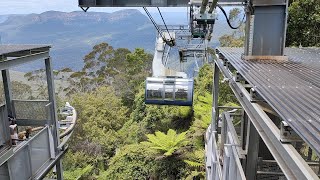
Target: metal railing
[[31, 112], [30, 109], [4, 126], [213, 166], [29, 156], [223, 156], [230, 146]]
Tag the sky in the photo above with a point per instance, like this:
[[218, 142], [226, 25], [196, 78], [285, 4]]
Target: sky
[[39, 6]]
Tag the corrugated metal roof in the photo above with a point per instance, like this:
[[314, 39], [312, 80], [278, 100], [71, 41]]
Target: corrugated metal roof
[[291, 87], [7, 49]]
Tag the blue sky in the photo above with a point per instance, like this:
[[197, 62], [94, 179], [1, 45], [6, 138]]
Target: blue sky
[[39, 6]]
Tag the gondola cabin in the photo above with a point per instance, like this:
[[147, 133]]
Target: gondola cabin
[[169, 91]]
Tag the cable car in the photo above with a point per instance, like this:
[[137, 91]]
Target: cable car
[[169, 91]]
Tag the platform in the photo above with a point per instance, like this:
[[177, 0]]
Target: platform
[[17, 50], [291, 88]]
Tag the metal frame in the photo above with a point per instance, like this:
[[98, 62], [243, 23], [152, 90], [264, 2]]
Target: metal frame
[[289, 160], [12, 56]]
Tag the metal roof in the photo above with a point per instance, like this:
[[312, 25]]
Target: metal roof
[[9, 49], [291, 88]]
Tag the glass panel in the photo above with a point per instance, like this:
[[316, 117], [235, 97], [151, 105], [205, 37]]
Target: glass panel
[[169, 92], [19, 165], [154, 91], [181, 93]]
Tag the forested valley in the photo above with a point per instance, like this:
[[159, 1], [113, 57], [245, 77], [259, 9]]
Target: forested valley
[[118, 136]]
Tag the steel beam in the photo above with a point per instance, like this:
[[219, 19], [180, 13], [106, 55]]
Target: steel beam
[[287, 157], [252, 154], [31, 122], [7, 64], [53, 114], [7, 91], [215, 107]]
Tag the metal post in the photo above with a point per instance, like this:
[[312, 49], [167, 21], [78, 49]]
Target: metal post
[[252, 154], [7, 91], [54, 119], [247, 31], [215, 98], [244, 124]]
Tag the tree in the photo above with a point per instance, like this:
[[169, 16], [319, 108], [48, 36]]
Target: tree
[[38, 76], [134, 161], [166, 144], [303, 23], [100, 115], [78, 174], [236, 39], [19, 91], [120, 68]]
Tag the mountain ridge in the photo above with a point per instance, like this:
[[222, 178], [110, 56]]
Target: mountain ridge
[[73, 34]]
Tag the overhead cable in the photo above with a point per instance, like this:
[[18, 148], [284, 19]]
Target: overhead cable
[[153, 22], [228, 20], [171, 39]]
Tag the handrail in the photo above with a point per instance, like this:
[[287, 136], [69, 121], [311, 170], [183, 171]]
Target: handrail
[[73, 123], [67, 134]]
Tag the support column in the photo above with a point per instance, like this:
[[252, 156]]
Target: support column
[[244, 129], [215, 110], [7, 91], [54, 118], [247, 31], [252, 154]]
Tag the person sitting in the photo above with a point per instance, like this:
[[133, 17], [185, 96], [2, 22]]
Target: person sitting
[[28, 132], [13, 134]]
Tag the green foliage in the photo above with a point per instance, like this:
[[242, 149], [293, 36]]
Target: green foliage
[[161, 118], [202, 114], [304, 23], [80, 159], [121, 136], [100, 115], [231, 40], [120, 68], [134, 161], [195, 160], [78, 174], [38, 76], [166, 144], [236, 39], [19, 91]]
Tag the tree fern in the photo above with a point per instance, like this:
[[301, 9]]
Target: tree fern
[[167, 144]]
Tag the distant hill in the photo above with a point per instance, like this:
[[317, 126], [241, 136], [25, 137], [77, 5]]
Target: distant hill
[[73, 34]]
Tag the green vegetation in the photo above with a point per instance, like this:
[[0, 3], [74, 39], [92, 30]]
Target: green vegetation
[[118, 136], [236, 38], [166, 144], [304, 23]]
